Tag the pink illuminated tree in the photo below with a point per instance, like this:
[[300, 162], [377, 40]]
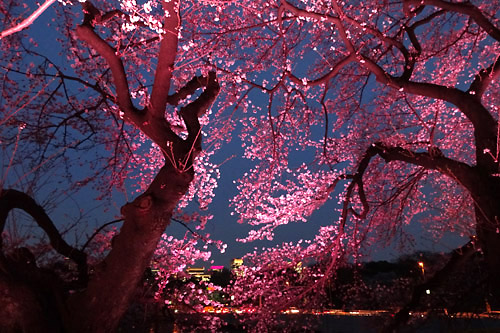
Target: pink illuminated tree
[[397, 102], [111, 51], [386, 111]]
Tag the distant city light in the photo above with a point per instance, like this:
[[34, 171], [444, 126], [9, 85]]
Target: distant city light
[[421, 265], [216, 268]]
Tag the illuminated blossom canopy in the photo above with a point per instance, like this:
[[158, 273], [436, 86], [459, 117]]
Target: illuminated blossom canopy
[[386, 110]]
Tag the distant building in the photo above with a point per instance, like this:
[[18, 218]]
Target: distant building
[[298, 268], [236, 263], [235, 266], [198, 273], [216, 268], [155, 267]]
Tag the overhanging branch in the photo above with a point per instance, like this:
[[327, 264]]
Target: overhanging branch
[[10, 199], [466, 8], [459, 171]]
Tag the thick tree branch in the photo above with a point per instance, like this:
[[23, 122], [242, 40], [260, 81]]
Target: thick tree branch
[[337, 21], [151, 121], [86, 33], [154, 125], [183, 152], [166, 59], [466, 8], [483, 122], [205, 100], [188, 89], [10, 199], [464, 174], [484, 78], [157, 129], [191, 112]]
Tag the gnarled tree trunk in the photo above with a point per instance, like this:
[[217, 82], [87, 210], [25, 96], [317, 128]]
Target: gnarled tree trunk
[[112, 286], [101, 298]]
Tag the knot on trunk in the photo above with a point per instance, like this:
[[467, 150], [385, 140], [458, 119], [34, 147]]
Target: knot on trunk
[[140, 206]]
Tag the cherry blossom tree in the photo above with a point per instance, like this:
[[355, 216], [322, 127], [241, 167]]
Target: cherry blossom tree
[[101, 295], [387, 111], [405, 95]]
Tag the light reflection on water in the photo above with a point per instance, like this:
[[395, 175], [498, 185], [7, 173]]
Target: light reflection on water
[[367, 324]]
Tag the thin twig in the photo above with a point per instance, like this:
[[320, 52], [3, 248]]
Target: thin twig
[[98, 230]]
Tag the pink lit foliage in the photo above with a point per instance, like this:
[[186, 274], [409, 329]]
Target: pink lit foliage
[[173, 287], [291, 275], [390, 109], [93, 109], [171, 259], [321, 62], [95, 123]]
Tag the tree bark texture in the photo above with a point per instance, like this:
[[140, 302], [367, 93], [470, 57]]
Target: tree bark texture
[[112, 285], [103, 294]]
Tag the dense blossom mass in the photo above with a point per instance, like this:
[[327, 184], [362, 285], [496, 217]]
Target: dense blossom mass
[[385, 110]]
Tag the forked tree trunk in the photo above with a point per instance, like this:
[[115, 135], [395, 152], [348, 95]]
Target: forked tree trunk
[[33, 299], [111, 287]]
